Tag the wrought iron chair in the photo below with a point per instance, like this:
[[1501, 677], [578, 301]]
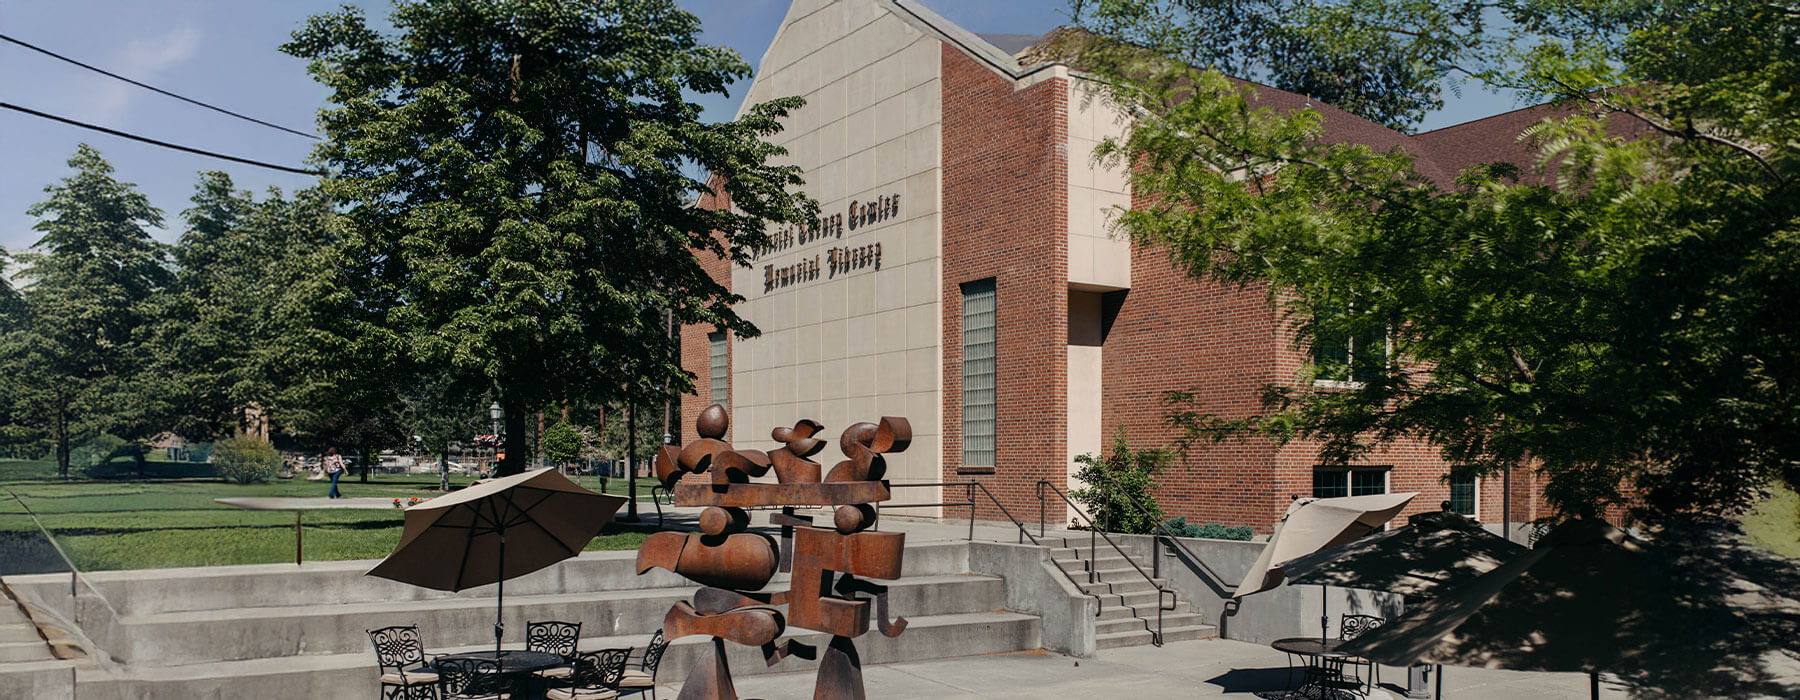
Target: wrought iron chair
[[643, 678], [1351, 627], [471, 679], [405, 675], [596, 677], [554, 637]]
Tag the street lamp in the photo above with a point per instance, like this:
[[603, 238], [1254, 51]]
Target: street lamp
[[495, 413]]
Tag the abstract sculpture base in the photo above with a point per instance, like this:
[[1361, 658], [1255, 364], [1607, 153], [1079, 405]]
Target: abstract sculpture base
[[711, 677], [840, 672]]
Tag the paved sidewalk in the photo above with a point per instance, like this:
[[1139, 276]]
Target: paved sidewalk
[[1202, 668]]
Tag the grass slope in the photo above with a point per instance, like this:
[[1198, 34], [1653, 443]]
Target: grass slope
[[1776, 523], [163, 522]]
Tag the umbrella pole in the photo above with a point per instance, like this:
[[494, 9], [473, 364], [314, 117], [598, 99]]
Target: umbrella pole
[[1324, 614], [1594, 685], [1439, 679], [500, 606]]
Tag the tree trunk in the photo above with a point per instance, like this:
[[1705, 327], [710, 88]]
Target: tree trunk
[[365, 451], [517, 443], [444, 471], [139, 461], [61, 430]]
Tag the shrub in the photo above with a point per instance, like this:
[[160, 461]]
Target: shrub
[[1212, 531], [1119, 485], [245, 459], [97, 452]]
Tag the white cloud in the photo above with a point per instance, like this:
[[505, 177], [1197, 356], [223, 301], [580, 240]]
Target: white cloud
[[141, 60]]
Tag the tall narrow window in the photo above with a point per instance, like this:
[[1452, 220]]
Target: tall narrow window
[[1462, 495], [978, 320], [720, 376]]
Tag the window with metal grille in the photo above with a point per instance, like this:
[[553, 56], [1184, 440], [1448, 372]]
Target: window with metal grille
[[1333, 482], [978, 324], [720, 384], [1462, 495]]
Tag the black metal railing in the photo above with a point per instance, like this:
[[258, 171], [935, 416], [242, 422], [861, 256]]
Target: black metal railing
[[1212, 578], [971, 503], [1095, 534]]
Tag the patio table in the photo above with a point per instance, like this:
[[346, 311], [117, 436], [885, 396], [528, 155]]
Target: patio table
[[299, 505], [1321, 667], [516, 667]]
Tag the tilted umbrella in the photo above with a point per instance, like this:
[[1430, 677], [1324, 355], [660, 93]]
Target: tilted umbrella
[[1312, 524], [1694, 613], [1433, 553], [496, 530]]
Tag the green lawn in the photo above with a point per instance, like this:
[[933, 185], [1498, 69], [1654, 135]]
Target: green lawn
[[1776, 523], [164, 522]]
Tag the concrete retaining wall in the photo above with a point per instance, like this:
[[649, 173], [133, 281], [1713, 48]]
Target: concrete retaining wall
[[1034, 585]]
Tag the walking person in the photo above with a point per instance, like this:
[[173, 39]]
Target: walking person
[[334, 468]]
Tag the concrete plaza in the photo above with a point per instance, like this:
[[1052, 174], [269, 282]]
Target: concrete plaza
[[1205, 668]]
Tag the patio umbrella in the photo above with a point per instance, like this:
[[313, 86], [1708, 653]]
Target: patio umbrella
[[1435, 552], [495, 530], [1695, 613], [1312, 524]]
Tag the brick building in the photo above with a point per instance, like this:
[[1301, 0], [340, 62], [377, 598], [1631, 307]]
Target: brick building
[[962, 275]]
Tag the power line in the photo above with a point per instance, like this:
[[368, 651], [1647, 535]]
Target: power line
[[155, 142], [153, 88]]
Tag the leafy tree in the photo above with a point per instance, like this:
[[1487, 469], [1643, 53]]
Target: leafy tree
[[1615, 313], [1119, 491], [615, 439], [563, 443], [439, 415], [516, 189], [76, 350]]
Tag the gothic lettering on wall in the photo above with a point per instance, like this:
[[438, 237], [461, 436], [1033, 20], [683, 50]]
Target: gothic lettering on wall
[[858, 214], [837, 260]]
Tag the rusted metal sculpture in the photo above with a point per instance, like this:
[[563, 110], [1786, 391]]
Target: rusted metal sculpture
[[733, 565]]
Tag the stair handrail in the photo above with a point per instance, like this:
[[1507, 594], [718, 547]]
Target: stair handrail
[[970, 504], [75, 576], [1156, 636], [1214, 580]]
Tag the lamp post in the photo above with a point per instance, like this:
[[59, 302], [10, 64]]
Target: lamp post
[[495, 413], [631, 514]]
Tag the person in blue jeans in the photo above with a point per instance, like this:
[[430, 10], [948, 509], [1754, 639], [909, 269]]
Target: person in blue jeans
[[334, 468]]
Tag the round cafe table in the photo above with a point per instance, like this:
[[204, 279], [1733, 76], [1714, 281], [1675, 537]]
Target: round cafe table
[[1321, 666], [516, 667]]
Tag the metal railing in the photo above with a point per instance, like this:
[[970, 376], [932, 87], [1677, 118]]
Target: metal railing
[[1212, 578], [972, 487], [1095, 534], [75, 577]]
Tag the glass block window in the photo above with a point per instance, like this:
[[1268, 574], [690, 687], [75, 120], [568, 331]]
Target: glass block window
[[978, 321], [1334, 482], [1462, 495], [719, 359]]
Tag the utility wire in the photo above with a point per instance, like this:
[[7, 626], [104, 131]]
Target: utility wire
[[153, 88], [155, 142]]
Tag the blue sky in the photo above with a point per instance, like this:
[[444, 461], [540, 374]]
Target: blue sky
[[224, 52]]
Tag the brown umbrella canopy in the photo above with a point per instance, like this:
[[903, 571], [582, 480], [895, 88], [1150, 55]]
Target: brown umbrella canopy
[[1433, 552], [1696, 613], [1312, 524], [453, 542]]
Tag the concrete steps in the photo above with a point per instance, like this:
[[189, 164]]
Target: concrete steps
[[281, 631], [353, 675], [1129, 601]]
